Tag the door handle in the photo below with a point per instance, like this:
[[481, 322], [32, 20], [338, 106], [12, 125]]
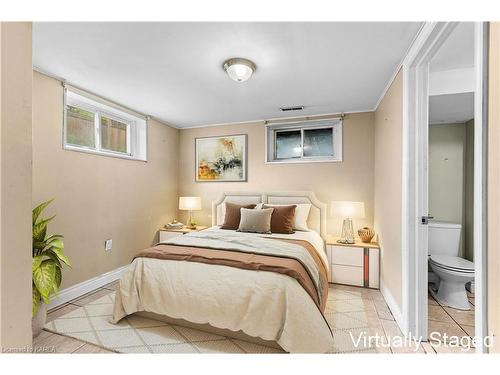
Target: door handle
[[425, 219]]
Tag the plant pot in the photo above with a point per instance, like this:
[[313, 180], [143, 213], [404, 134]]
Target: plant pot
[[38, 321], [366, 234]]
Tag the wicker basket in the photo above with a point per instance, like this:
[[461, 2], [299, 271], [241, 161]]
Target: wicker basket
[[366, 234]]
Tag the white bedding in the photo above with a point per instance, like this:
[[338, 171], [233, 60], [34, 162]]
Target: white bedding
[[261, 304], [310, 236]]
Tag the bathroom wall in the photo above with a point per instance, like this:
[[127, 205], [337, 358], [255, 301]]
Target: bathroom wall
[[451, 178]]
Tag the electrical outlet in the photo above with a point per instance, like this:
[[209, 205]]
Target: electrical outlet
[[108, 244]]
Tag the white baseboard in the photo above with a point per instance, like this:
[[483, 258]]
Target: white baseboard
[[393, 306], [85, 287]]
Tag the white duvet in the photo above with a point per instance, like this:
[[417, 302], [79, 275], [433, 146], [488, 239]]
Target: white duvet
[[262, 304]]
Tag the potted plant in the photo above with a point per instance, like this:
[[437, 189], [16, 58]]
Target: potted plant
[[48, 261]]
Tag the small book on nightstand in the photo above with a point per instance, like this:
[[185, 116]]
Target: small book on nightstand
[[174, 225]]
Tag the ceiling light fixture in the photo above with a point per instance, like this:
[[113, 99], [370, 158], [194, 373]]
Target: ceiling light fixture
[[239, 69]]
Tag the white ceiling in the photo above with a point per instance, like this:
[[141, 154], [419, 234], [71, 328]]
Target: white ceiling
[[457, 51], [173, 71], [451, 108]]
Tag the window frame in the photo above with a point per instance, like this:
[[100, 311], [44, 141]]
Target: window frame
[[128, 125], [100, 109], [72, 145], [275, 148], [302, 126]]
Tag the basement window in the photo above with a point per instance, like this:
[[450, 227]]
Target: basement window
[[303, 142], [95, 126]]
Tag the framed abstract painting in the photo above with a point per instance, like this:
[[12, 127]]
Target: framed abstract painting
[[222, 159]]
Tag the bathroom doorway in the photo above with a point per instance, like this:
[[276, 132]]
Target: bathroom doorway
[[450, 206], [443, 195]]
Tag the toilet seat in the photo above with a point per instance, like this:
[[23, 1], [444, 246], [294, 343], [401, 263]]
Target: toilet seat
[[452, 263]]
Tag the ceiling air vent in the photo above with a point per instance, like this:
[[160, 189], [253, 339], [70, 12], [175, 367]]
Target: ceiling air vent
[[294, 108]]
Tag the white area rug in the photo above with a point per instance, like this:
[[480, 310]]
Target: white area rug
[[347, 312]]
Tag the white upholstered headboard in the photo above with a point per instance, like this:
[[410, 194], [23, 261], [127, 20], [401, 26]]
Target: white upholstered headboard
[[317, 215]]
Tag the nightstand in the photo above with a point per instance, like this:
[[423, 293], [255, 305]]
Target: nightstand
[[353, 264], [165, 234]]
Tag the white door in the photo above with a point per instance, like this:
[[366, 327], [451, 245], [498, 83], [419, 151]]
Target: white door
[[423, 200], [415, 182]]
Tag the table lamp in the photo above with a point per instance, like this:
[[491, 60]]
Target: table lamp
[[348, 211], [190, 204]]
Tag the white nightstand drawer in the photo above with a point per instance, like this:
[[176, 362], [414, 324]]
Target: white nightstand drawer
[[347, 275], [347, 256]]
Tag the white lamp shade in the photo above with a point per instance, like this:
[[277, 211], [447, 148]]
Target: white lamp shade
[[347, 209], [190, 203]]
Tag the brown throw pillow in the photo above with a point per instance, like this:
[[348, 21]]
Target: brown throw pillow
[[282, 219], [233, 215]]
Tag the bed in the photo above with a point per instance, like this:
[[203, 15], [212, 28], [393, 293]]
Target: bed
[[174, 282]]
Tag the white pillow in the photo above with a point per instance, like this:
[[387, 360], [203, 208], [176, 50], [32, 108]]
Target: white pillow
[[301, 214]]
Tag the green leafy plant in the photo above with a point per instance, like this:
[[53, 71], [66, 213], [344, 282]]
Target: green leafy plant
[[48, 259]]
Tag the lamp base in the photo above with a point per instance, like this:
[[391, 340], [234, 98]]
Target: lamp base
[[191, 224], [347, 236]]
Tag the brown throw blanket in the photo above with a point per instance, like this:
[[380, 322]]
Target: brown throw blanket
[[249, 261]]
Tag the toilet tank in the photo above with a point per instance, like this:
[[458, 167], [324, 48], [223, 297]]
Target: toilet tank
[[444, 238]]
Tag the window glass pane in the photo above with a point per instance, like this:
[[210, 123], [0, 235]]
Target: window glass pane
[[80, 129], [318, 142], [113, 135], [288, 144]]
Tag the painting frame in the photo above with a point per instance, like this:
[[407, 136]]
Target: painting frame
[[201, 142]]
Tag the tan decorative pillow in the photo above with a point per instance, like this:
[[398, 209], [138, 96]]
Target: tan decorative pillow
[[232, 216], [256, 221], [282, 219]]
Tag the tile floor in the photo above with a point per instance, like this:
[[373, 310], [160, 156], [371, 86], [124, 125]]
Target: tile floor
[[350, 312], [453, 322]]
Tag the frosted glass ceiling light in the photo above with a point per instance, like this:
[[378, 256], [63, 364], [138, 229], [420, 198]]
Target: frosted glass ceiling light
[[239, 69]]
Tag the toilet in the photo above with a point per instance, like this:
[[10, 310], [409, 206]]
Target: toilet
[[448, 273]]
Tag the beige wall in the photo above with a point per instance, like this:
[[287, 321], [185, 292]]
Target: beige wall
[[99, 197], [446, 171], [387, 186], [493, 255], [351, 179], [451, 177], [15, 185]]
